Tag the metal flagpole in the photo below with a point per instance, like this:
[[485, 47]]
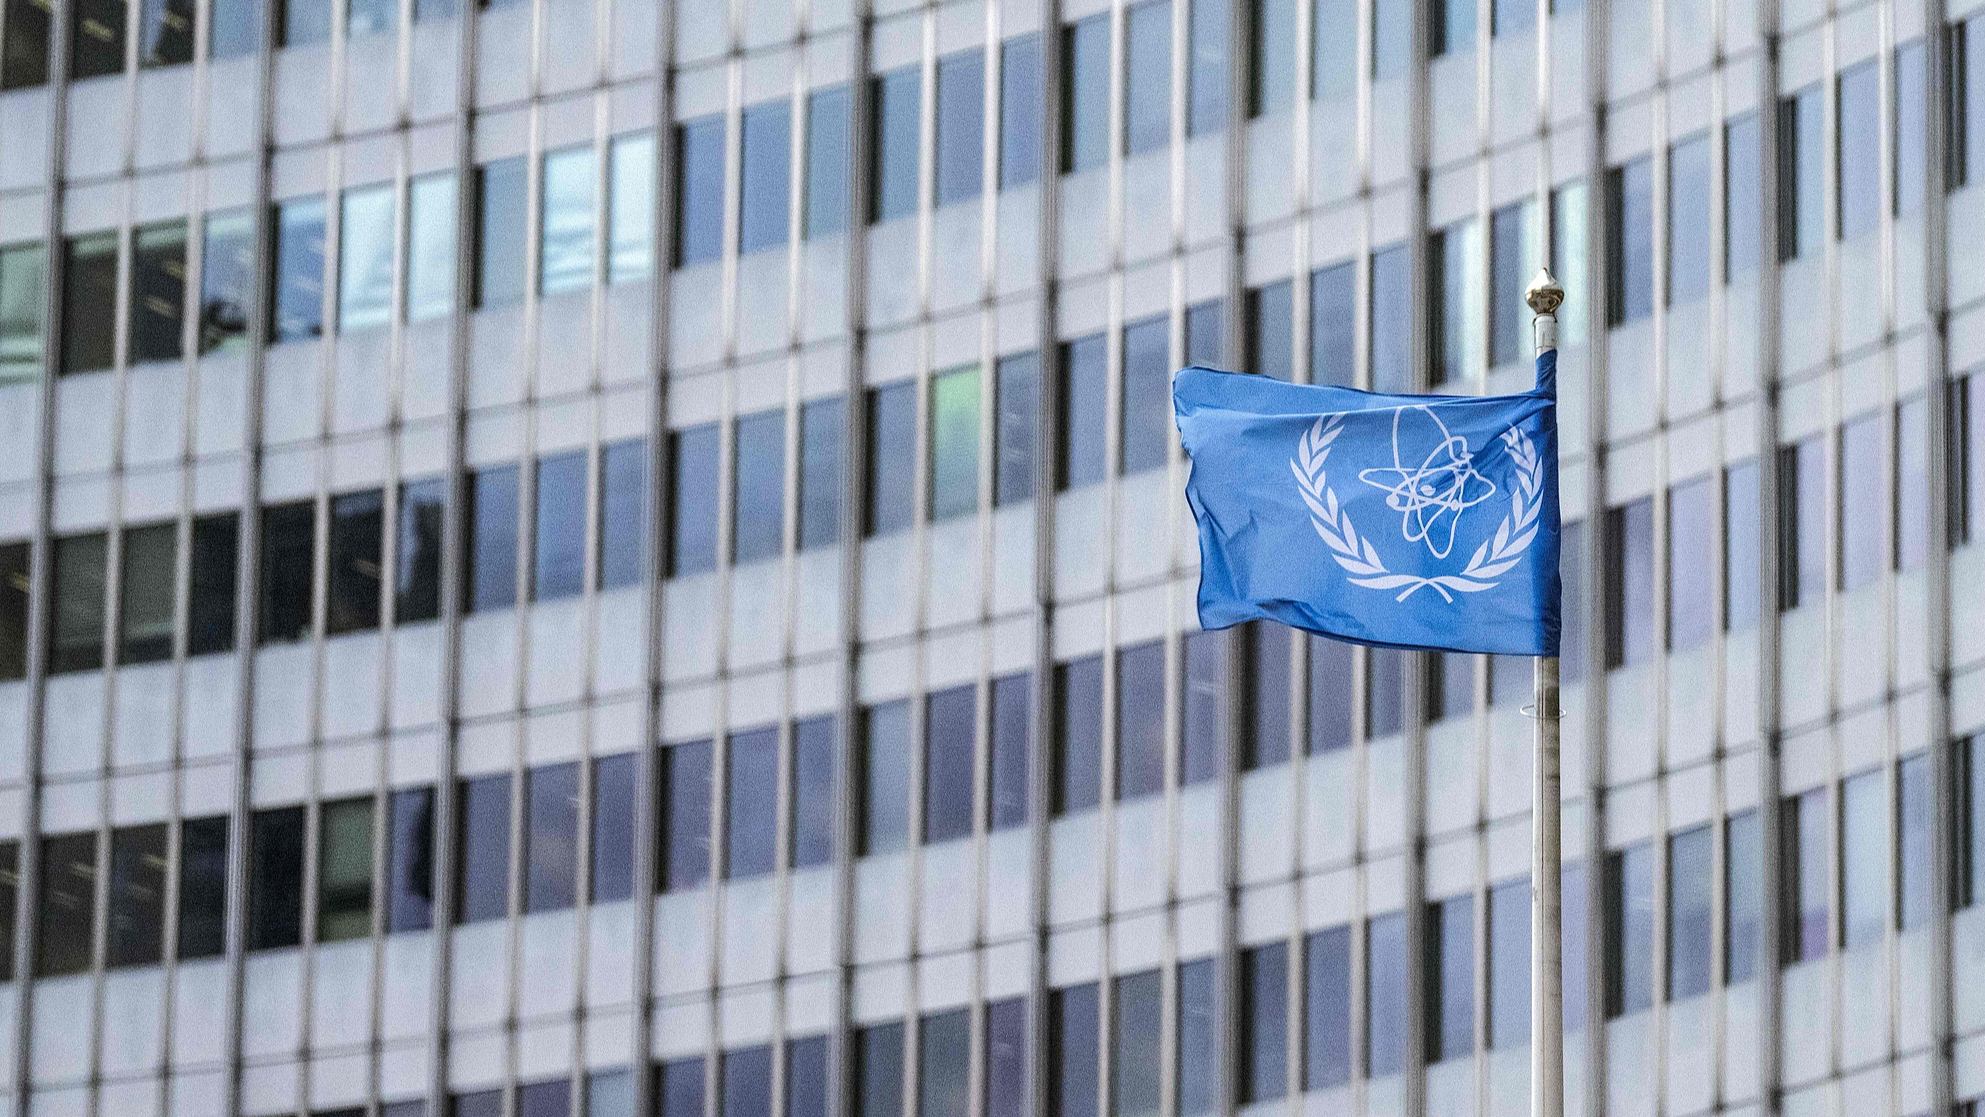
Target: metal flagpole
[[1547, 1033]]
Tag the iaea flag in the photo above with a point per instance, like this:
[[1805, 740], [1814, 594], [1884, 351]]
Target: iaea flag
[[1399, 521]]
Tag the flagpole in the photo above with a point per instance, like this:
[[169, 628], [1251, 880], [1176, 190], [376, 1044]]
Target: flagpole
[[1547, 1033]]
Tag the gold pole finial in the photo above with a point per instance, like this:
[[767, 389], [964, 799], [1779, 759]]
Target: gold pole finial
[[1544, 294]]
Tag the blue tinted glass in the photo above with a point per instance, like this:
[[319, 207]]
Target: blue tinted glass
[[699, 185], [551, 837], [813, 792], [961, 126], [1327, 1008], [561, 527], [1263, 1074], [1630, 629], [1631, 225], [1334, 325], [1691, 908], [806, 1077], [1451, 1019], [1741, 570], [409, 861], [1147, 394], [1386, 975], [1385, 669], [234, 28], [502, 231], [680, 1089], [1689, 199], [1912, 454], [1020, 108], [1199, 1039], [1148, 76], [1269, 666], [1085, 377], [898, 101], [1512, 17], [1141, 720], [1392, 316], [1629, 930], [623, 512], [1085, 137], [1205, 335], [1914, 816], [1454, 26], [1274, 70], [686, 787], [1271, 330], [1333, 695], [299, 23], [1513, 259], [1571, 946], [298, 310], [1012, 734], [417, 596], [1743, 855], [1072, 1019], [483, 847], [1017, 435], [878, 1086], [764, 219], [1136, 1053], [1007, 1094], [1691, 562], [1860, 154], [1392, 38], [1864, 506], [1803, 512], [892, 458], [1452, 686], [1509, 965], [1203, 749], [1457, 261], [1742, 195], [885, 778], [613, 827], [1864, 860], [751, 804], [822, 449], [827, 135], [950, 740], [758, 519], [747, 1082], [1910, 155], [631, 170], [1801, 171], [693, 500], [944, 1061], [1335, 49], [565, 260], [1078, 734], [1208, 36], [492, 550], [365, 269]]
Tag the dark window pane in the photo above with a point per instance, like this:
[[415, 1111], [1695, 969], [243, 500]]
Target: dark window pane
[[885, 778], [1912, 484], [302, 22], [1274, 57], [1386, 977], [541, 1099], [1630, 227], [1085, 412], [944, 1059], [764, 219], [202, 887], [1572, 562], [1511, 681], [680, 1091], [1631, 636], [686, 788], [1451, 972], [878, 1071], [296, 312], [487, 1103], [1801, 165], [751, 804], [1385, 671], [623, 512], [1334, 325], [814, 792], [823, 437], [410, 861], [96, 43], [10, 899], [1914, 820], [1571, 946], [827, 133], [1454, 26], [954, 443], [66, 908], [1969, 460], [227, 270], [1136, 1053], [1263, 1074], [1864, 860], [614, 783], [806, 1077], [898, 101], [1327, 1008], [1689, 199], [137, 895], [1392, 311], [158, 292], [1270, 322], [1072, 1026], [1205, 334], [1200, 1041], [1147, 82], [483, 850], [77, 589], [1803, 872], [491, 554], [1085, 94], [1334, 49], [1691, 562], [344, 870], [417, 594], [1513, 259], [1860, 148], [1147, 394], [275, 878], [747, 1082], [24, 61], [949, 741], [145, 594], [1267, 695], [1629, 930], [1743, 854], [1017, 437], [1455, 264], [1509, 965], [559, 550], [502, 231], [14, 586], [1802, 523], [961, 126], [1910, 141], [1141, 720], [89, 288], [1209, 31], [1864, 529], [357, 528], [551, 837], [1691, 905], [1020, 109], [1078, 734], [1451, 687], [1012, 733], [693, 500], [892, 458], [1203, 750], [1333, 695], [288, 558], [1742, 196]]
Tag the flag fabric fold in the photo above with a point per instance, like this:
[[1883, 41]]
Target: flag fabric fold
[[1420, 522]]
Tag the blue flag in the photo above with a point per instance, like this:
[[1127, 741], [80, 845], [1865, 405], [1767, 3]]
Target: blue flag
[[1425, 522]]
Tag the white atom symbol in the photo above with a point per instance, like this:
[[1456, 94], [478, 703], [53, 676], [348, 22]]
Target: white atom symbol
[[1430, 496]]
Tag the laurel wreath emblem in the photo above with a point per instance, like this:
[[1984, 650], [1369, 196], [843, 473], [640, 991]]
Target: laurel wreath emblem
[[1356, 554]]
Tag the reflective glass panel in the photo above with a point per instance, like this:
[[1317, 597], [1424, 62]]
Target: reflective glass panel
[[492, 539], [565, 243]]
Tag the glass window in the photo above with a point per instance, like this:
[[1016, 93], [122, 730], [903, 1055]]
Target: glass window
[[1271, 322], [1509, 965], [14, 587], [1513, 259], [1333, 325], [370, 17], [1512, 17], [1011, 745], [344, 870], [487, 1103], [961, 126], [1801, 167], [1454, 26], [23, 279], [1385, 671], [137, 895], [1802, 517], [944, 1060], [1392, 315], [814, 792], [609, 1093], [365, 258], [275, 878], [1017, 432], [747, 1082], [417, 573], [1630, 225], [1967, 103], [1085, 132], [1571, 947], [1689, 199], [1020, 110], [1205, 334], [827, 138], [614, 779], [1629, 929], [892, 458], [1450, 686], [751, 805], [1741, 542], [1392, 38], [806, 1077], [96, 43], [1084, 411], [430, 247], [693, 500], [288, 561], [1457, 326], [631, 207], [1864, 860], [1572, 562], [1743, 900], [1743, 195], [202, 887], [483, 847], [1914, 813], [950, 738], [1078, 734], [1147, 394], [66, 908], [1199, 1046], [1268, 671], [1451, 1000], [878, 1070], [551, 837], [1910, 142], [1864, 539], [235, 28], [1691, 562], [1860, 153], [1203, 749], [898, 97], [24, 52], [145, 595], [1274, 57], [1141, 720], [158, 292], [211, 585], [1327, 1008], [822, 449], [565, 244], [954, 443], [1568, 257], [885, 778], [1136, 1054], [302, 22], [758, 512], [491, 579], [1333, 692], [540, 1099], [1691, 904], [560, 545], [1147, 76], [297, 311], [1803, 875], [623, 512], [686, 787], [357, 530], [1072, 1027], [1209, 27], [680, 1091], [410, 860], [89, 285], [1334, 49], [503, 222], [77, 591], [1968, 462], [1912, 488], [1630, 627], [1386, 977], [765, 202]]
